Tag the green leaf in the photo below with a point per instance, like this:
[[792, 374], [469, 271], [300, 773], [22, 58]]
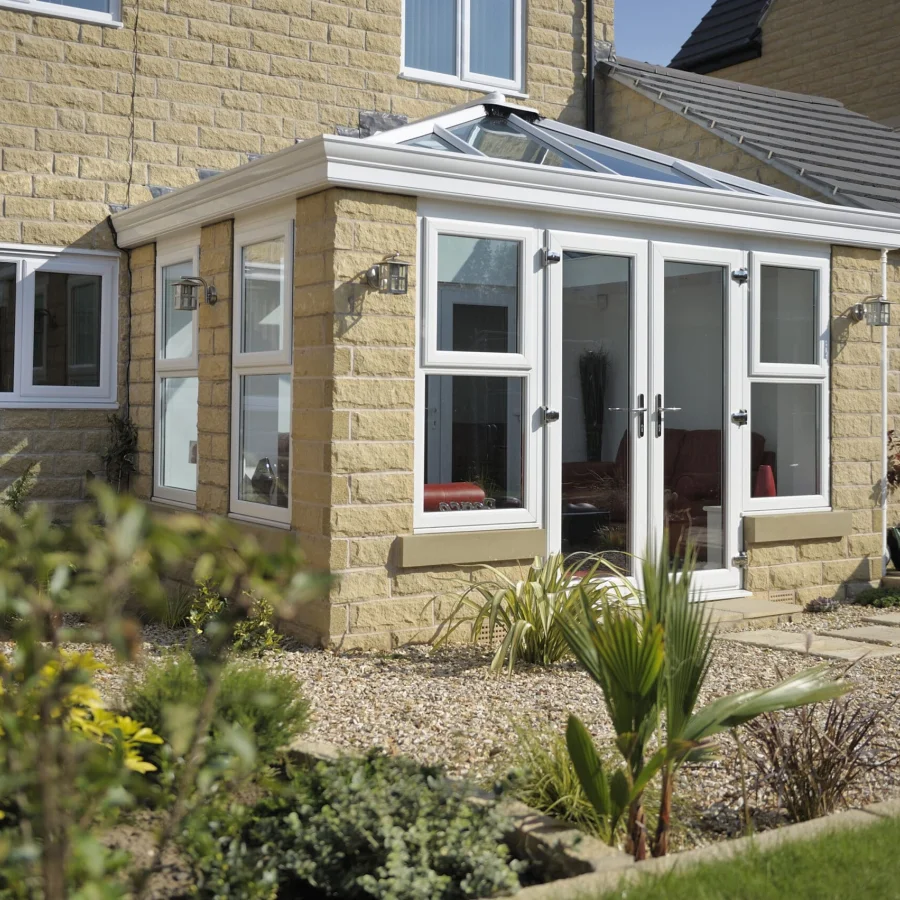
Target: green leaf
[[588, 766]]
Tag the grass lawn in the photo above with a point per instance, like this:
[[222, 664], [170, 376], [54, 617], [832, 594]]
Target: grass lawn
[[840, 866]]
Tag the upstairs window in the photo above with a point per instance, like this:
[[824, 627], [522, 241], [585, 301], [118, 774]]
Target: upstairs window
[[101, 12], [58, 325], [472, 43]]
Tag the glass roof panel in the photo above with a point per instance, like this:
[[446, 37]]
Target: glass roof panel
[[431, 142], [626, 163], [498, 137]]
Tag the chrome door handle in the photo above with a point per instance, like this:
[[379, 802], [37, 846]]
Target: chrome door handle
[[640, 408], [660, 409]]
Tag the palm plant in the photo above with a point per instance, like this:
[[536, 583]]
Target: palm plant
[[651, 664], [528, 612]]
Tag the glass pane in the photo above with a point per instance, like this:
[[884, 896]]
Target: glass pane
[[177, 324], [498, 137], [491, 38], [784, 455], [178, 419], [474, 443], [430, 142], [263, 275], [787, 315], [264, 456], [478, 294], [7, 325], [67, 329], [627, 164], [596, 377], [93, 5], [430, 30], [694, 392]]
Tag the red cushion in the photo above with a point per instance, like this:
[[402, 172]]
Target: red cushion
[[454, 492]]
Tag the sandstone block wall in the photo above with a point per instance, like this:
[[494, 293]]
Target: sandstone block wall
[[837, 568], [142, 364], [214, 387], [213, 82], [626, 115], [848, 50]]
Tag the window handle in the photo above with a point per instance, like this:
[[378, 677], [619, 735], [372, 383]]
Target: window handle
[[660, 409], [640, 408]]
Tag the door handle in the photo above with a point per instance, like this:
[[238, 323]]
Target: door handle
[[640, 408], [660, 409]]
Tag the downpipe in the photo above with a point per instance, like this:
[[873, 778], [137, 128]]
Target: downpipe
[[590, 65]]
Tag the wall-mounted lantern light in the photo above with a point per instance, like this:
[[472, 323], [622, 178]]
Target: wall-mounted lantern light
[[187, 293], [390, 276], [876, 312]]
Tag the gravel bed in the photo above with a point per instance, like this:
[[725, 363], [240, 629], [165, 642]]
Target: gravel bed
[[447, 708]]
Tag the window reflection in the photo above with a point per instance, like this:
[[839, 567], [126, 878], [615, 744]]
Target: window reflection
[[7, 325], [474, 443]]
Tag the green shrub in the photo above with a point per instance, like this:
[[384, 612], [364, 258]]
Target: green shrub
[[546, 780], [528, 612], [267, 706], [357, 829], [883, 598], [254, 633]]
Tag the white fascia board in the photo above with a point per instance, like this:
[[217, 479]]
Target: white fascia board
[[349, 162]]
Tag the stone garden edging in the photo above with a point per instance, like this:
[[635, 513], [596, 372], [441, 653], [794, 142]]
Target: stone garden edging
[[593, 885]]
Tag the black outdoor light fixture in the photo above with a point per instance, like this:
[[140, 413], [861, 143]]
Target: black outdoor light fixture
[[876, 311], [187, 293], [391, 276]]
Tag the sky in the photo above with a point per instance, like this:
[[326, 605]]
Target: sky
[[653, 30]]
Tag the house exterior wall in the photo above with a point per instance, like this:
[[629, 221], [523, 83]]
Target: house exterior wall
[[215, 82], [849, 51], [626, 115], [840, 567]]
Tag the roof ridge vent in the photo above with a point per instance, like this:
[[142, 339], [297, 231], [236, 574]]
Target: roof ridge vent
[[504, 111]]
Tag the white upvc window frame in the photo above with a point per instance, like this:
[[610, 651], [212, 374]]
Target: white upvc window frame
[[113, 17], [465, 77], [526, 365], [29, 261], [275, 362], [183, 249], [818, 374]]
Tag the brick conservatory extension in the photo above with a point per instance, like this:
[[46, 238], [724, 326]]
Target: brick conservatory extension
[[487, 336]]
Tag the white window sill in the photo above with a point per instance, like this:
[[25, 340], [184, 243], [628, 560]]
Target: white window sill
[[58, 11], [508, 90]]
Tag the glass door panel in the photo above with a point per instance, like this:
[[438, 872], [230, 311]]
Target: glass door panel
[[596, 312], [690, 411]]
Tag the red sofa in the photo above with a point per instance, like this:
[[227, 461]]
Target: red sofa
[[691, 473]]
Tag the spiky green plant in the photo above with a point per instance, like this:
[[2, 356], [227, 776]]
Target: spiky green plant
[[528, 611], [650, 664]]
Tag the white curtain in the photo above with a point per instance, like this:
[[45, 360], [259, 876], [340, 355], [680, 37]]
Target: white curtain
[[492, 36], [430, 35]]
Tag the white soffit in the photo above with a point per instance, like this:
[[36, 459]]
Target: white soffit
[[335, 161]]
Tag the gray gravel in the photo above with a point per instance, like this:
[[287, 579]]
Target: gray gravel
[[447, 708]]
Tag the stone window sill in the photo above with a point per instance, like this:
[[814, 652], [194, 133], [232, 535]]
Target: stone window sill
[[471, 547]]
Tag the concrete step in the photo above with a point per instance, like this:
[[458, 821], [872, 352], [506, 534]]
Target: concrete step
[[891, 580], [873, 634], [827, 647], [891, 618]]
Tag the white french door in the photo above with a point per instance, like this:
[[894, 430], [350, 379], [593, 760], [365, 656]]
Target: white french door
[[597, 381], [696, 313], [644, 360]]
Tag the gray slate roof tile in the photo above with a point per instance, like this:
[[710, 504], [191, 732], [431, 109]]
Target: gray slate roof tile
[[729, 33], [845, 156]]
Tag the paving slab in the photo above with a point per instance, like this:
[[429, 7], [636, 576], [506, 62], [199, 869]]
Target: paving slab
[[884, 635], [754, 608], [891, 618], [827, 647]]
